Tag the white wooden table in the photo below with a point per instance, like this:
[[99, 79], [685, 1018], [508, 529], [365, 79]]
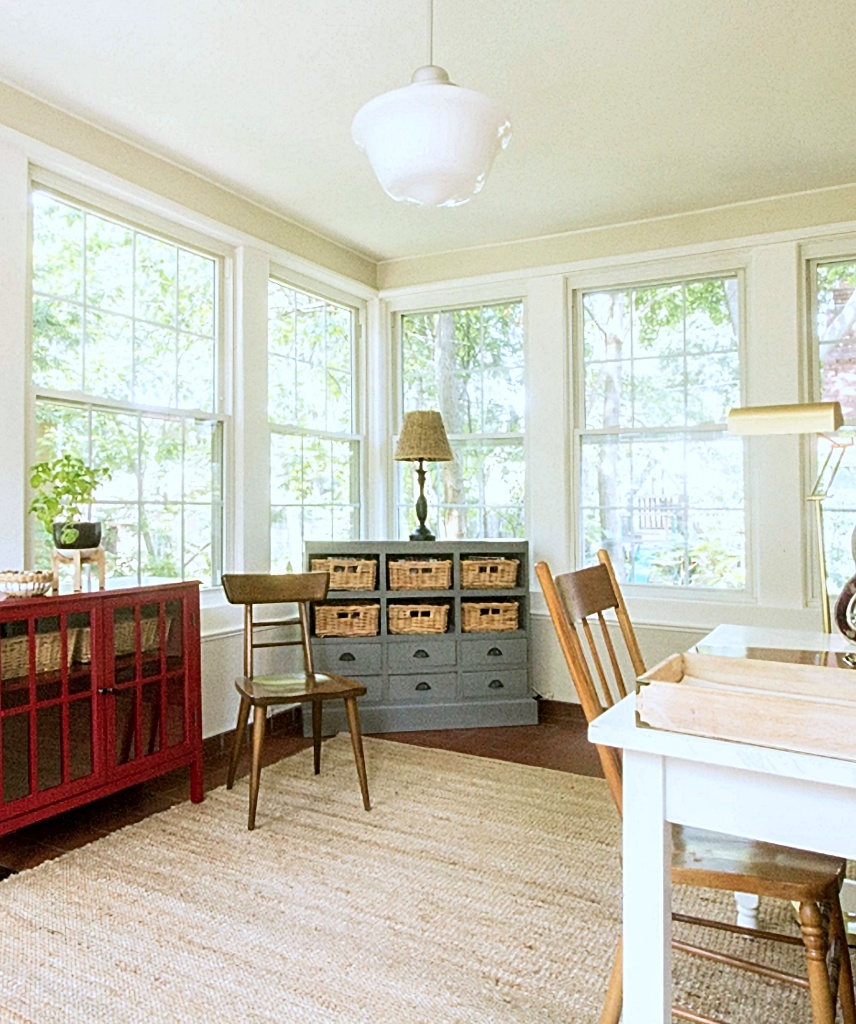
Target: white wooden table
[[777, 796]]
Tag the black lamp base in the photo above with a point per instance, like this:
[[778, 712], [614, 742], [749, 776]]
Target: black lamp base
[[421, 532]]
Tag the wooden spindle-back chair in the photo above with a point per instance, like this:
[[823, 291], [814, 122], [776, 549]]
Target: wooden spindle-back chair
[[303, 686], [582, 606]]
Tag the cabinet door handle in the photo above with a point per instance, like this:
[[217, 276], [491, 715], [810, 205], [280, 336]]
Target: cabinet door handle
[[423, 686], [496, 684], [108, 690], [347, 656], [494, 652], [419, 653]]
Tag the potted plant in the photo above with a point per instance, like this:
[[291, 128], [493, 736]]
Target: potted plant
[[63, 487]]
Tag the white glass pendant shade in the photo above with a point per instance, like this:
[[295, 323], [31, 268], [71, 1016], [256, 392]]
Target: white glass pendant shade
[[431, 143]]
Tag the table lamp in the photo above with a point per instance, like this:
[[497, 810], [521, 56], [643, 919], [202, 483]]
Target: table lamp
[[422, 439], [823, 419]]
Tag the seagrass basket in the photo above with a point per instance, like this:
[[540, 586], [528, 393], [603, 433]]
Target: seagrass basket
[[347, 573], [124, 639], [488, 616], [347, 619], [15, 653], [484, 573], [418, 618], [420, 574]]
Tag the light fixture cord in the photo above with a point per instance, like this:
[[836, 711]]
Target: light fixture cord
[[430, 32]]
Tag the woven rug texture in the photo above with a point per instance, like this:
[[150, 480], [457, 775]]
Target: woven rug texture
[[474, 891]]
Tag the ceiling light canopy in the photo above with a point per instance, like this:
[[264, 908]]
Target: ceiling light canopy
[[431, 142]]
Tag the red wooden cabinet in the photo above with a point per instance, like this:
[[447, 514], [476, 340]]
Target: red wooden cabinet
[[98, 691]]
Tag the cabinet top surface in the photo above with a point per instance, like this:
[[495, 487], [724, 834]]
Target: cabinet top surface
[[417, 547], [10, 605]]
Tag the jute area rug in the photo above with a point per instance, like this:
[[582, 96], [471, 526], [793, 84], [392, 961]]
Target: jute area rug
[[474, 891]]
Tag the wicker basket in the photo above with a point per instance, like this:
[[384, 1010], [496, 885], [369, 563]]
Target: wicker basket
[[15, 653], [485, 573], [418, 618], [488, 616], [21, 583], [124, 639], [420, 574], [347, 573], [347, 619]]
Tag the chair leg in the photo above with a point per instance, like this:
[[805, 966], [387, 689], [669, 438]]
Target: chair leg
[[316, 735], [845, 971], [256, 766], [353, 714], [238, 741], [814, 935], [611, 1012]]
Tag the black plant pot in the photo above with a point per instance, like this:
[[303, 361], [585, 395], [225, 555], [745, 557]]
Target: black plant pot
[[88, 536]]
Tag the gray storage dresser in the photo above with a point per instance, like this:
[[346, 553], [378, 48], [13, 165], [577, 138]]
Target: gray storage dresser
[[434, 640]]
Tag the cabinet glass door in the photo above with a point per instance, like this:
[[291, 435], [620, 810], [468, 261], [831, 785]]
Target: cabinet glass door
[[148, 688], [46, 706]]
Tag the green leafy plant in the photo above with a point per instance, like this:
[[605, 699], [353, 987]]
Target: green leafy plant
[[62, 487]]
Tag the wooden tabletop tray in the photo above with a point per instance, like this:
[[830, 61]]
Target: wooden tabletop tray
[[769, 704]]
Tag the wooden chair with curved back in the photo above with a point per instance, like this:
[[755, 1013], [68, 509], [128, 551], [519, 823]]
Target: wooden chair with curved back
[[577, 602], [306, 686]]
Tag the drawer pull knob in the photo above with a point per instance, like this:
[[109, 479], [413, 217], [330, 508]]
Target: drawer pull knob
[[423, 686], [111, 690], [419, 653], [494, 652], [496, 684], [347, 656]]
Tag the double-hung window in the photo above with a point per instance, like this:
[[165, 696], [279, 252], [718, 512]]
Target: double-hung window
[[661, 482], [312, 413], [833, 340], [467, 363], [126, 373]]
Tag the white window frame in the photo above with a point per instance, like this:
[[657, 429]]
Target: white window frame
[[442, 301], [659, 602], [139, 218], [357, 307]]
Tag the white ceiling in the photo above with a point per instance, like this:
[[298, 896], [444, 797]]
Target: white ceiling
[[621, 109]]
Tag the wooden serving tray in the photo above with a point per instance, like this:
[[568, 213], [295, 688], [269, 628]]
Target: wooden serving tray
[[770, 704]]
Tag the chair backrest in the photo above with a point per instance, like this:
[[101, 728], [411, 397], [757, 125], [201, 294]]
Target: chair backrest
[[577, 602], [251, 589]]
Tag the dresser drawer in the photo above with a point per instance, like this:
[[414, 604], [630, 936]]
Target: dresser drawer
[[374, 689], [420, 655], [430, 687], [494, 652], [495, 685], [349, 657]]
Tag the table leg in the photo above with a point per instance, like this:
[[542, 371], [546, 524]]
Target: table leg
[[647, 886]]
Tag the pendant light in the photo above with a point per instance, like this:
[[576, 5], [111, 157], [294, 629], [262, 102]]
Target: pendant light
[[431, 142]]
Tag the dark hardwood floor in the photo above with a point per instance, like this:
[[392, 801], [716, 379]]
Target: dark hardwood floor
[[558, 742]]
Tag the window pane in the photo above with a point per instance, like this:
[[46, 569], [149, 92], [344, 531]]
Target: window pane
[[57, 344], [57, 248], [314, 464], [468, 364], [166, 473], [669, 509], [123, 316], [109, 265], [665, 499]]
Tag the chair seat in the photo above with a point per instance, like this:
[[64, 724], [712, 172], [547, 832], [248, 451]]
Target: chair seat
[[287, 688], [717, 861]]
